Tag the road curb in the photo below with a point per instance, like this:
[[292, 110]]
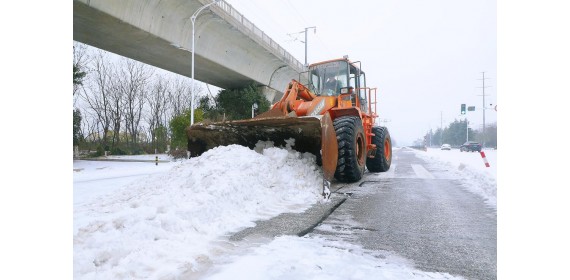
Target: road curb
[[298, 224], [326, 215]]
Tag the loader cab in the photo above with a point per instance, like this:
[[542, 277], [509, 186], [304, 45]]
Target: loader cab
[[329, 77]]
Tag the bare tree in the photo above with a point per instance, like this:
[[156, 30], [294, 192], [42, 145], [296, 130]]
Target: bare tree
[[179, 96], [116, 108], [80, 62], [125, 101], [89, 128], [97, 97], [158, 102], [197, 95], [133, 80]]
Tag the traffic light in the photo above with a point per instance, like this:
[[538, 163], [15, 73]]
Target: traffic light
[[463, 109]]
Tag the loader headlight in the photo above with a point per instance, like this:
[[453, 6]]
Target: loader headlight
[[346, 90]]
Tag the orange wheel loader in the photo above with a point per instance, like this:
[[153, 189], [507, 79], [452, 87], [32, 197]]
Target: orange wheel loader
[[332, 117]]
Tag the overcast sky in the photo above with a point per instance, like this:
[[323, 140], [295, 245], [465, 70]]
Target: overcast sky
[[425, 56]]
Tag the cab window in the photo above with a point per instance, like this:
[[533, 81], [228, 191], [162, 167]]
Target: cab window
[[327, 79]]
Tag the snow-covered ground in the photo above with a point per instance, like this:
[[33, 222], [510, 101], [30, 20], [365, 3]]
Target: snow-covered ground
[[171, 220], [469, 167], [161, 225]]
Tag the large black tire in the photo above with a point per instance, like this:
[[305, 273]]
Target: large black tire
[[383, 158], [351, 149]]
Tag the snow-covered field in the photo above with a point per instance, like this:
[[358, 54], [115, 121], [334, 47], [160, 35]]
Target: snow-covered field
[[171, 220]]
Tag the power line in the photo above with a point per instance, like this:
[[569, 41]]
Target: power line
[[300, 16], [330, 53], [267, 21], [296, 38], [297, 13]]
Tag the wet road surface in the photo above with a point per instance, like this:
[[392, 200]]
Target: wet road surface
[[421, 213]]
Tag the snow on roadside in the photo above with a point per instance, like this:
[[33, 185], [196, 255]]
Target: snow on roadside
[[292, 257], [161, 225], [96, 178], [470, 168]]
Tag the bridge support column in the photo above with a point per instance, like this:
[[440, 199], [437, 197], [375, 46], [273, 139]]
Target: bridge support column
[[271, 94]]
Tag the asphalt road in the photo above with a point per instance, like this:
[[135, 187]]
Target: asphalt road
[[420, 213]]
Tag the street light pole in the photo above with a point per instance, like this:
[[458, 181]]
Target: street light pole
[[193, 19]]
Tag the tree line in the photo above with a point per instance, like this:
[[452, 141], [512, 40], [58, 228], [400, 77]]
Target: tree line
[[127, 107], [455, 134]]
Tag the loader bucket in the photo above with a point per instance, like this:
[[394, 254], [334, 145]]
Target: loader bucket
[[307, 133]]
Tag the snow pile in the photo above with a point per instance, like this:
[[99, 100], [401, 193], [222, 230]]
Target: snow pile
[[470, 168], [291, 257], [161, 225]]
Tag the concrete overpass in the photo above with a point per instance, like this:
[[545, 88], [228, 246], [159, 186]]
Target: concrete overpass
[[231, 51]]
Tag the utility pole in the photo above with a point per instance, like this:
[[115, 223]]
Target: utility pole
[[306, 40], [484, 108], [467, 129]]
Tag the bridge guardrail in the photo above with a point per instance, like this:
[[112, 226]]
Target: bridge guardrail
[[227, 12]]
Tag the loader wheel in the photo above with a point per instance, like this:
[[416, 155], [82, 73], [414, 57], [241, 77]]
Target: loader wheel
[[351, 149], [383, 158]]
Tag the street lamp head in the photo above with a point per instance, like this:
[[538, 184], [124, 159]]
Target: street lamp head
[[195, 15]]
